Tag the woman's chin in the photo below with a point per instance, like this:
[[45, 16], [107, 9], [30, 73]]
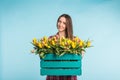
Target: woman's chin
[[60, 30]]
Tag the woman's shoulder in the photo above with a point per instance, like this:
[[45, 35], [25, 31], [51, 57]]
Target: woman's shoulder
[[55, 35], [51, 36]]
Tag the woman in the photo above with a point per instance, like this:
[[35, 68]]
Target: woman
[[64, 26]]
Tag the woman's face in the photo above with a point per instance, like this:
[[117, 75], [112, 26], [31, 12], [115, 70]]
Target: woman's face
[[61, 25]]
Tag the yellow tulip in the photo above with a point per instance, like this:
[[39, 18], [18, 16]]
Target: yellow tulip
[[73, 45], [47, 45], [62, 43], [63, 38], [88, 44], [54, 38], [81, 43], [76, 39], [45, 39], [39, 45], [53, 42], [34, 40], [69, 42]]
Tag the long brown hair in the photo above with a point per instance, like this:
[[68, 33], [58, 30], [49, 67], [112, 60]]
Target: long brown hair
[[69, 26]]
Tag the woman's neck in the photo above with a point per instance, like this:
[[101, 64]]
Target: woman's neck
[[61, 34]]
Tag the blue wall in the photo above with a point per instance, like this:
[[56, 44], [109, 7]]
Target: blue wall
[[22, 20]]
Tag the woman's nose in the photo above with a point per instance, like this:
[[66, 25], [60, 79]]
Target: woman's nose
[[61, 24]]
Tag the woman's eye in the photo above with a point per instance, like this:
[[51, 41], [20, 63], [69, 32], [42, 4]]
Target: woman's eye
[[59, 21], [64, 23]]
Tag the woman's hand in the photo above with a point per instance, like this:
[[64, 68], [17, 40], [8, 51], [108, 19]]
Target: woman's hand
[[82, 53]]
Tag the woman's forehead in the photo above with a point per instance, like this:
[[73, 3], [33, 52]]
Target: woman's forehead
[[62, 19]]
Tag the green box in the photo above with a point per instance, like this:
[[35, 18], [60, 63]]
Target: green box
[[68, 64]]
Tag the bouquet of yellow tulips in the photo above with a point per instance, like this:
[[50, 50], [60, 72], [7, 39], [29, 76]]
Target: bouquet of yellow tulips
[[59, 46]]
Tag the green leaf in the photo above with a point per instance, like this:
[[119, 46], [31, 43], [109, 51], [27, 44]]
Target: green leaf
[[42, 55], [62, 54]]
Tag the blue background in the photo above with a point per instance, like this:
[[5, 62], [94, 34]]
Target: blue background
[[22, 20]]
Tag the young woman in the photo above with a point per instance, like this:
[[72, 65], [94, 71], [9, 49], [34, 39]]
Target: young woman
[[65, 29]]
